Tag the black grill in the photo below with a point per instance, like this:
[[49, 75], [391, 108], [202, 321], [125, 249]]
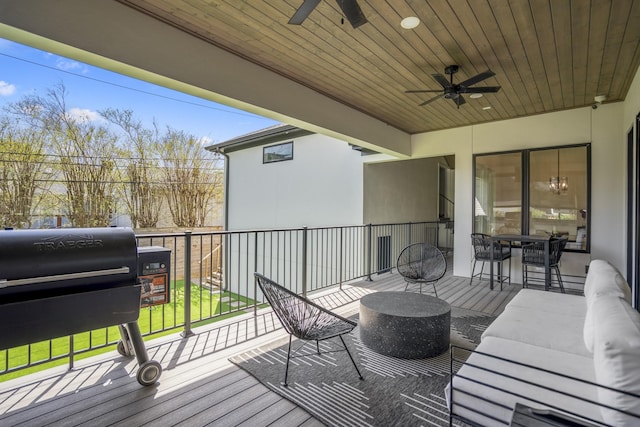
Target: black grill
[[60, 282]]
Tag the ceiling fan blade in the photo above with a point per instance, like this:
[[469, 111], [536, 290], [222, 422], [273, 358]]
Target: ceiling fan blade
[[422, 91], [486, 89], [442, 80], [352, 11], [303, 11], [478, 78], [429, 101]]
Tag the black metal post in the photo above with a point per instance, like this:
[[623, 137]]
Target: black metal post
[[71, 352], [304, 261], [187, 285], [255, 268], [369, 254], [340, 259]]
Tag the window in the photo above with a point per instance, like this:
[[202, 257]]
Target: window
[[498, 193], [277, 153], [534, 192]]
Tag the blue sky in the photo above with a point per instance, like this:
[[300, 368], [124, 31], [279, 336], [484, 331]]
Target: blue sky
[[24, 70]]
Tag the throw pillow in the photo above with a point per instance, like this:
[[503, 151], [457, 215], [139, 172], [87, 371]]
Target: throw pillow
[[616, 359]]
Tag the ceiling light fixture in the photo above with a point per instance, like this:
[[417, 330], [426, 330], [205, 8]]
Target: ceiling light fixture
[[410, 22], [486, 108], [475, 95], [558, 184]]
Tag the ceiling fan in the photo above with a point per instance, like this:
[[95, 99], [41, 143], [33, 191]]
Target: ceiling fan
[[454, 91], [350, 9]]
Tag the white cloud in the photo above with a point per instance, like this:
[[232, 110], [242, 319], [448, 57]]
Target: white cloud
[[83, 115], [6, 89], [205, 141], [69, 65]]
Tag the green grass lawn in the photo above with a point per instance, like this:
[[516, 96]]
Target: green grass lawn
[[206, 307]]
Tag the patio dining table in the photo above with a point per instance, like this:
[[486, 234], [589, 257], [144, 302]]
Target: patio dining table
[[523, 239]]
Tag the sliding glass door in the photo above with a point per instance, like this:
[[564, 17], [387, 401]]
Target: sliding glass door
[[534, 192]]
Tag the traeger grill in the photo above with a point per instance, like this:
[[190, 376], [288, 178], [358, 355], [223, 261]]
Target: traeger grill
[[59, 282]]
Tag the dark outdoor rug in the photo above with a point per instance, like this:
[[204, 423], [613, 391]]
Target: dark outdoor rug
[[394, 392]]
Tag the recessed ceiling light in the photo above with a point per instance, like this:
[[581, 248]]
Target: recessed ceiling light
[[475, 95], [409, 22], [486, 108]]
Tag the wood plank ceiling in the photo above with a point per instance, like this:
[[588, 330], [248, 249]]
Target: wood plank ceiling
[[548, 55]]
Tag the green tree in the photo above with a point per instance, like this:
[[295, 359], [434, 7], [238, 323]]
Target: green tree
[[24, 174], [193, 180], [83, 149], [142, 190]]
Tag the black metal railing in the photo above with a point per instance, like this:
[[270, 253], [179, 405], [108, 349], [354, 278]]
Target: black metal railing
[[212, 277]]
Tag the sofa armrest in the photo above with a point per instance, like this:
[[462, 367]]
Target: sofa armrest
[[486, 388], [525, 416]]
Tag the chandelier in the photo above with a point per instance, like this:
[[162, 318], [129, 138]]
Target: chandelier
[[558, 184]]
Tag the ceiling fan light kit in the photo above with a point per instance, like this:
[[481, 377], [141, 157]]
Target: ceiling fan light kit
[[350, 8], [454, 91]]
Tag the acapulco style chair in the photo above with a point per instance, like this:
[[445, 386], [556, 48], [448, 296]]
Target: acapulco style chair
[[421, 263], [305, 320]]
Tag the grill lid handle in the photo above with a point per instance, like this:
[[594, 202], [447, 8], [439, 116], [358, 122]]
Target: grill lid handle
[[4, 283]]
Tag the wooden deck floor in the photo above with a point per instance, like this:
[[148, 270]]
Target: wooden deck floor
[[199, 386]]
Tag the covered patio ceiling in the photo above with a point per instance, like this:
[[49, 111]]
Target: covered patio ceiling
[[547, 55], [327, 77]]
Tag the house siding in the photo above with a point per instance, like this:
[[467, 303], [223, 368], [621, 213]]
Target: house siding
[[321, 186]]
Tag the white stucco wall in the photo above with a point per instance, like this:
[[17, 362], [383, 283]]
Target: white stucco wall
[[603, 127], [321, 186]]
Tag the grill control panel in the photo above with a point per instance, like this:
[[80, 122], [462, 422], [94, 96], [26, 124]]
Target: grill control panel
[[154, 272]]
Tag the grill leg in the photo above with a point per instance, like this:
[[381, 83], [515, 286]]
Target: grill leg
[[136, 341], [148, 370]]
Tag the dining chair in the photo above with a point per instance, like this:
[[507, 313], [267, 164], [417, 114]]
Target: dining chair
[[533, 256], [305, 320], [482, 252]]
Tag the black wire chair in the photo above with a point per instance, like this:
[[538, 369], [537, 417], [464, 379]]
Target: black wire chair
[[421, 263], [482, 252], [533, 256], [305, 320]]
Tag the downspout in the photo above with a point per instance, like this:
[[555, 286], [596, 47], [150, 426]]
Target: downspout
[[225, 221], [225, 209]]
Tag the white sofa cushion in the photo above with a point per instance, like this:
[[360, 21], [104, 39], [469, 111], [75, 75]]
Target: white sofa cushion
[[550, 302], [493, 403], [617, 357], [556, 331], [603, 279]]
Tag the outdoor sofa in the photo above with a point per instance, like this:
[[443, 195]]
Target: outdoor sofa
[[568, 357]]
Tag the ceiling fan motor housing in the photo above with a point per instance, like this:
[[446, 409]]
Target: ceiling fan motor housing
[[451, 69]]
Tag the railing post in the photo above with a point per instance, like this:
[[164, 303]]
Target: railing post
[[255, 268], [369, 250], [187, 285], [409, 239], [340, 252], [71, 352], [304, 261]]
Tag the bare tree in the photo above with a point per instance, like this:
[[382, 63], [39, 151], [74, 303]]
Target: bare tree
[[142, 189], [192, 178], [24, 175], [84, 151]]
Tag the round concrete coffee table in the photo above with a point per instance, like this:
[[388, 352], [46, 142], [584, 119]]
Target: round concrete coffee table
[[406, 325]]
